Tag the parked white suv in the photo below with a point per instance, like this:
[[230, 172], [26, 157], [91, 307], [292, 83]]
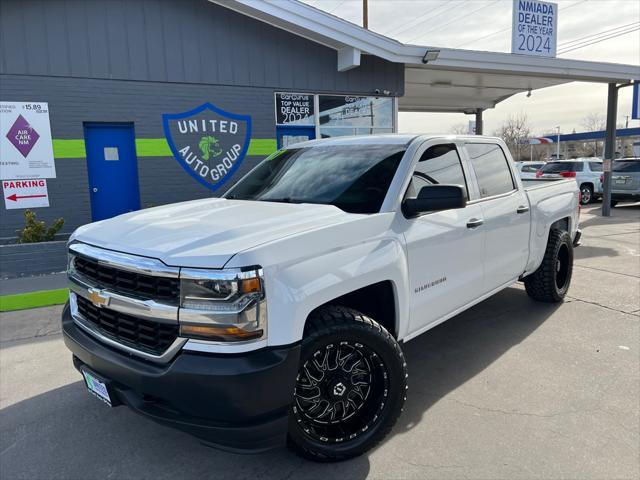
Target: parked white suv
[[277, 314], [528, 170], [586, 172]]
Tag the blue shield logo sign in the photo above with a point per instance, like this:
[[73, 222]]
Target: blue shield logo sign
[[208, 142]]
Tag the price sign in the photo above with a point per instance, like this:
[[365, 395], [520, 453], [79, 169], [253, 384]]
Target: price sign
[[26, 149], [534, 30]]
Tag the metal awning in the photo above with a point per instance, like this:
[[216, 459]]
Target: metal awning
[[457, 81], [466, 80]]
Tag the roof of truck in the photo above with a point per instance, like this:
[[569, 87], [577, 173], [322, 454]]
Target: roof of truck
[[386, 138]]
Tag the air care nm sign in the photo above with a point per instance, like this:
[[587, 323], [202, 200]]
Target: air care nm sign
[[208, 142], [26, 149], [535, 28]]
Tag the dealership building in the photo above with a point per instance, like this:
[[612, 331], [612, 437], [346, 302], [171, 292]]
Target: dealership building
[[153, 102]]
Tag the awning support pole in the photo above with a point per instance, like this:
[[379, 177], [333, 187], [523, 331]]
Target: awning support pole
[[479, 126], [609, 147]]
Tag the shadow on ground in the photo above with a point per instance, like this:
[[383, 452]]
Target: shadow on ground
[[621, 214], [67, 434]]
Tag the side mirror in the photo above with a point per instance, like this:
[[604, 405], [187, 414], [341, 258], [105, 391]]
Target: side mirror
[[433, 198]]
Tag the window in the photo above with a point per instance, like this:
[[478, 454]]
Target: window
[[352, 115], [354, 178], [439, 164], [595, 166], [626, 166], [491, 167], [531, 168], [557, 167]]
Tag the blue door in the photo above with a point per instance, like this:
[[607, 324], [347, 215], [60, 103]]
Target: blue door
[[290, 135], [113, 169]]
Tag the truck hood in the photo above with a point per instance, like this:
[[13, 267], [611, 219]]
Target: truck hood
[[206, 233]]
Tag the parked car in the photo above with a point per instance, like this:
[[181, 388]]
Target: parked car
[[528, 170], [625, 181], [278, 313], [586, 172]]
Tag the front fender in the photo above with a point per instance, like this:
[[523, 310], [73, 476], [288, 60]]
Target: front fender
[[301, 288], [305, 272]]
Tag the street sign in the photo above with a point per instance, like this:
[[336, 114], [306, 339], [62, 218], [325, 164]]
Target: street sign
[[26, 149], [534, 30], [25, 194], [635, 111]]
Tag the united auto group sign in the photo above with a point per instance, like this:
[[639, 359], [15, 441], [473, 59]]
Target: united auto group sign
[[208, 142]]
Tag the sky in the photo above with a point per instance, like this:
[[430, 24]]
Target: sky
[[486, 25]]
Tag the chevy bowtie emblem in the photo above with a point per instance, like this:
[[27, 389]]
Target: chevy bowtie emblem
[[98, 298]]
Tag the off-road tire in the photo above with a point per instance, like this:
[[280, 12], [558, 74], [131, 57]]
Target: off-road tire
[[335, 325], [586, 191], [543, 284]]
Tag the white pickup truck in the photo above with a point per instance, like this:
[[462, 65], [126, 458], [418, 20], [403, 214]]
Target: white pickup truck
[[277, 314]]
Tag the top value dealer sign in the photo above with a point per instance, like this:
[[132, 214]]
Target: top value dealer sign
[[26, 149], [535, 28]]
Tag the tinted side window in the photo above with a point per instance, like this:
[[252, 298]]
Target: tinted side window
[[531, 168], [595, 166], [577, 167], [439, 164], [492, 169], [626, 166]]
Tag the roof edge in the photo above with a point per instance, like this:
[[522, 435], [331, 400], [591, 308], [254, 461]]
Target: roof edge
[[336, 33]]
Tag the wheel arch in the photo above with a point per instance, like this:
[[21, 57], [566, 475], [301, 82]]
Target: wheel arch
[[560, 224], [378, 300]]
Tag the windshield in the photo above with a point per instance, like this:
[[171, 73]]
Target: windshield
[[354, 178]]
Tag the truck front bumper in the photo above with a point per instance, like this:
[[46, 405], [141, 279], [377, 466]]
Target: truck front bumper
[[235, 402]]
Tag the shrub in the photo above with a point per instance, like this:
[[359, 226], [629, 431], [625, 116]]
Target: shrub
[[35, 231]]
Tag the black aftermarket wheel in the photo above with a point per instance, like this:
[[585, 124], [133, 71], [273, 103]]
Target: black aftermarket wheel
[[350, 388], [550, 282]]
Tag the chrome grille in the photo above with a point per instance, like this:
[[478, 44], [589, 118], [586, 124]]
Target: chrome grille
[[137, 285], [144, 335]]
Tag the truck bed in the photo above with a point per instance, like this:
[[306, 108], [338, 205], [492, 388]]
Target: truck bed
[[549, 199], [535, 183]]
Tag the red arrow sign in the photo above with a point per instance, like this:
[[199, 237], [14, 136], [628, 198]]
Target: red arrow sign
[[15, 197]]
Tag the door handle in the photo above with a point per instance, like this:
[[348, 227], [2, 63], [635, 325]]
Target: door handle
[[95, 190], [474, 223], [522, 209]]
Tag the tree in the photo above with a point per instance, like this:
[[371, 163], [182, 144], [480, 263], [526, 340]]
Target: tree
[[516, 133], [594, 122], [459, 129]]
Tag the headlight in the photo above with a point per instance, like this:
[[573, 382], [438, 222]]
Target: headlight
[[222, 306]]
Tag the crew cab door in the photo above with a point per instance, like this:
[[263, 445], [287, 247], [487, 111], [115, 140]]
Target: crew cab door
[[505, 210], [444, 248]]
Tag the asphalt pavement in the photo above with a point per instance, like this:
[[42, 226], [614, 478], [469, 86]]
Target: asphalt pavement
[[509, 389]]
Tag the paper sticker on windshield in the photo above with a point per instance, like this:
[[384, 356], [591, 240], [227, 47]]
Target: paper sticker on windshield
[[208, 142]]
